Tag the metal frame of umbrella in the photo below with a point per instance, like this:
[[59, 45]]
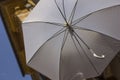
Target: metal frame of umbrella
[[71, 34]]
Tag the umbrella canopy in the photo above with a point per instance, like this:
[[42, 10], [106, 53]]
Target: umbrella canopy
[[72, 39]]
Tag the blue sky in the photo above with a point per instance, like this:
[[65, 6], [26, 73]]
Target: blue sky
[[9, 69]]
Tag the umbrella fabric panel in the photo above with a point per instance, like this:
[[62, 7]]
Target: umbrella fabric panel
[[46, 60], [74, 62], [80, 8], [85, 7], [46, 11], [101, 45], [106, 21], [35, 35]]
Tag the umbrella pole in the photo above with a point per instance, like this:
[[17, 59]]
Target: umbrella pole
[[85, 53]]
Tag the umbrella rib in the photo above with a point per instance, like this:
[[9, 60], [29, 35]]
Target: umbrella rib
[[60, 11], [81, 28], [63, 43], [53, 23], [85, 54], [75, 44], [73, 12], [56, 34], [64, 8], [80, 19], [81, 40], [91, 50], [64, 39]]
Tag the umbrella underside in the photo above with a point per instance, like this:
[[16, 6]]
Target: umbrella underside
[[74, 47]]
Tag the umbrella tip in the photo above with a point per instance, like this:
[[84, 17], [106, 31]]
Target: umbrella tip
[[66, 24]]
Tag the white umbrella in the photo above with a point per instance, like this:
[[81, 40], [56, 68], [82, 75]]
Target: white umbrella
[[72, 39]]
